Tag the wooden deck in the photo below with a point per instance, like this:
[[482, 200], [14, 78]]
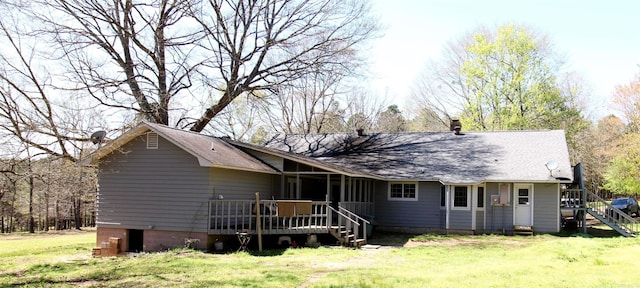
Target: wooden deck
[[287, 217], [226, 217]]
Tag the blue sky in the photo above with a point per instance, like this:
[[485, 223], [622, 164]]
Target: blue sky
[[600, 40]]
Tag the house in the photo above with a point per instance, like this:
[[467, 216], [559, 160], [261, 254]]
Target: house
[[159, 186]]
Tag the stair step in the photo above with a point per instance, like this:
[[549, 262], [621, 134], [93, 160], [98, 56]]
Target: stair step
[[522, 230]]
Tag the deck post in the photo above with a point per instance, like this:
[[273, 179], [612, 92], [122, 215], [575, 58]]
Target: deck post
[[258, 224], [583, 209]]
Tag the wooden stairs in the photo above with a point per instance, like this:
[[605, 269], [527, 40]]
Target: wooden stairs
[[600, 209], [350, 230], [619, 221], [523, 230], [346, 237]]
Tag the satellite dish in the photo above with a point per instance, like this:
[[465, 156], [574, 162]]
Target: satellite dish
[[98, 136], [551, 165]]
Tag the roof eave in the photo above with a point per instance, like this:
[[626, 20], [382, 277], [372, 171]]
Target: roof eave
[[297, 159], [114, 145]]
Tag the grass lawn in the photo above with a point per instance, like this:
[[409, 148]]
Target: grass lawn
[[404, 261]]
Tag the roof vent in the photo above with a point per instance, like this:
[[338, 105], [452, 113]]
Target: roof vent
[[455, 126], [152, 140]]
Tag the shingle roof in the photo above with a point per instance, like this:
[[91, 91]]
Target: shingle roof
[[210, 151], [469, 158]]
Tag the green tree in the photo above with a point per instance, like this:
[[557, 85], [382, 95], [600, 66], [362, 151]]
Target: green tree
[[623, 173], [502, 79], [512, 82]]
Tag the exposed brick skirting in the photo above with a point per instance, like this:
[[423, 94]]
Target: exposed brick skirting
[[153, 240], [156, 240], [103, 235]]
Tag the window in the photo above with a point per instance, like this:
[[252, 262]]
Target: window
[[443, 196], [523, 196], [403, 191], [480, 197], [460, 198]]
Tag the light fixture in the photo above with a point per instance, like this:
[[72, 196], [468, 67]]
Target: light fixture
[[551, 165]]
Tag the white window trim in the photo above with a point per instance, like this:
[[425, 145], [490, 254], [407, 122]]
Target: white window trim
[[401, 199], [453, 196]]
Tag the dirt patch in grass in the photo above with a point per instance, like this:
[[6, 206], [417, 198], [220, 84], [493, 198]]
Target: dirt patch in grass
[[399, 240]]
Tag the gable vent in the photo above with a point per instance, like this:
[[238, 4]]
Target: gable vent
[[152, 140]]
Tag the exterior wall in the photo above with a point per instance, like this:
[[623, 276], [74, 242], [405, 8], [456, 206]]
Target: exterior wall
[[241, 185], [153, 240], [546, 208], [460, 219], [163, 189], [424, 213], [165, 193], [156, 240], [480, 220], [498, 218], [103, 235]]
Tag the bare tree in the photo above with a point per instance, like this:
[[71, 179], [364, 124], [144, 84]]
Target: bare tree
[[124, 54], [260, 45], [154, 57], [391, 120], [241, 119], [307, 105], [363, 110]]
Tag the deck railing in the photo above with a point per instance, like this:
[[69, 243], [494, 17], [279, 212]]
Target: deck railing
[[579, 201], [616, 219], [359, 221], [227, 217], [359, 208]]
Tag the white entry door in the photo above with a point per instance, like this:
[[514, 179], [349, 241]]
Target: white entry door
[[523, 195]]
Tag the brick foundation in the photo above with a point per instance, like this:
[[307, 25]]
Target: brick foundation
[[157, 240], [103, 235], [153, 240]]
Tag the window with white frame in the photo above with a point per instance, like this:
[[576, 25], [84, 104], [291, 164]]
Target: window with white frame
[[404, 191], [460, 197]]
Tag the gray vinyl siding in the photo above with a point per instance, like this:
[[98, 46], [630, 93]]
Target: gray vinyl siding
[[424, 213], [271, 160], [241, 185], [546, 215], [166, 188], [480, 220], [163, 189], [460, 219], [499, 218]]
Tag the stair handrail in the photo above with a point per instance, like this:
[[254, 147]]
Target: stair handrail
[[348, 225], [618, 218], [353, 214], [365, 222], [344, 216]]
